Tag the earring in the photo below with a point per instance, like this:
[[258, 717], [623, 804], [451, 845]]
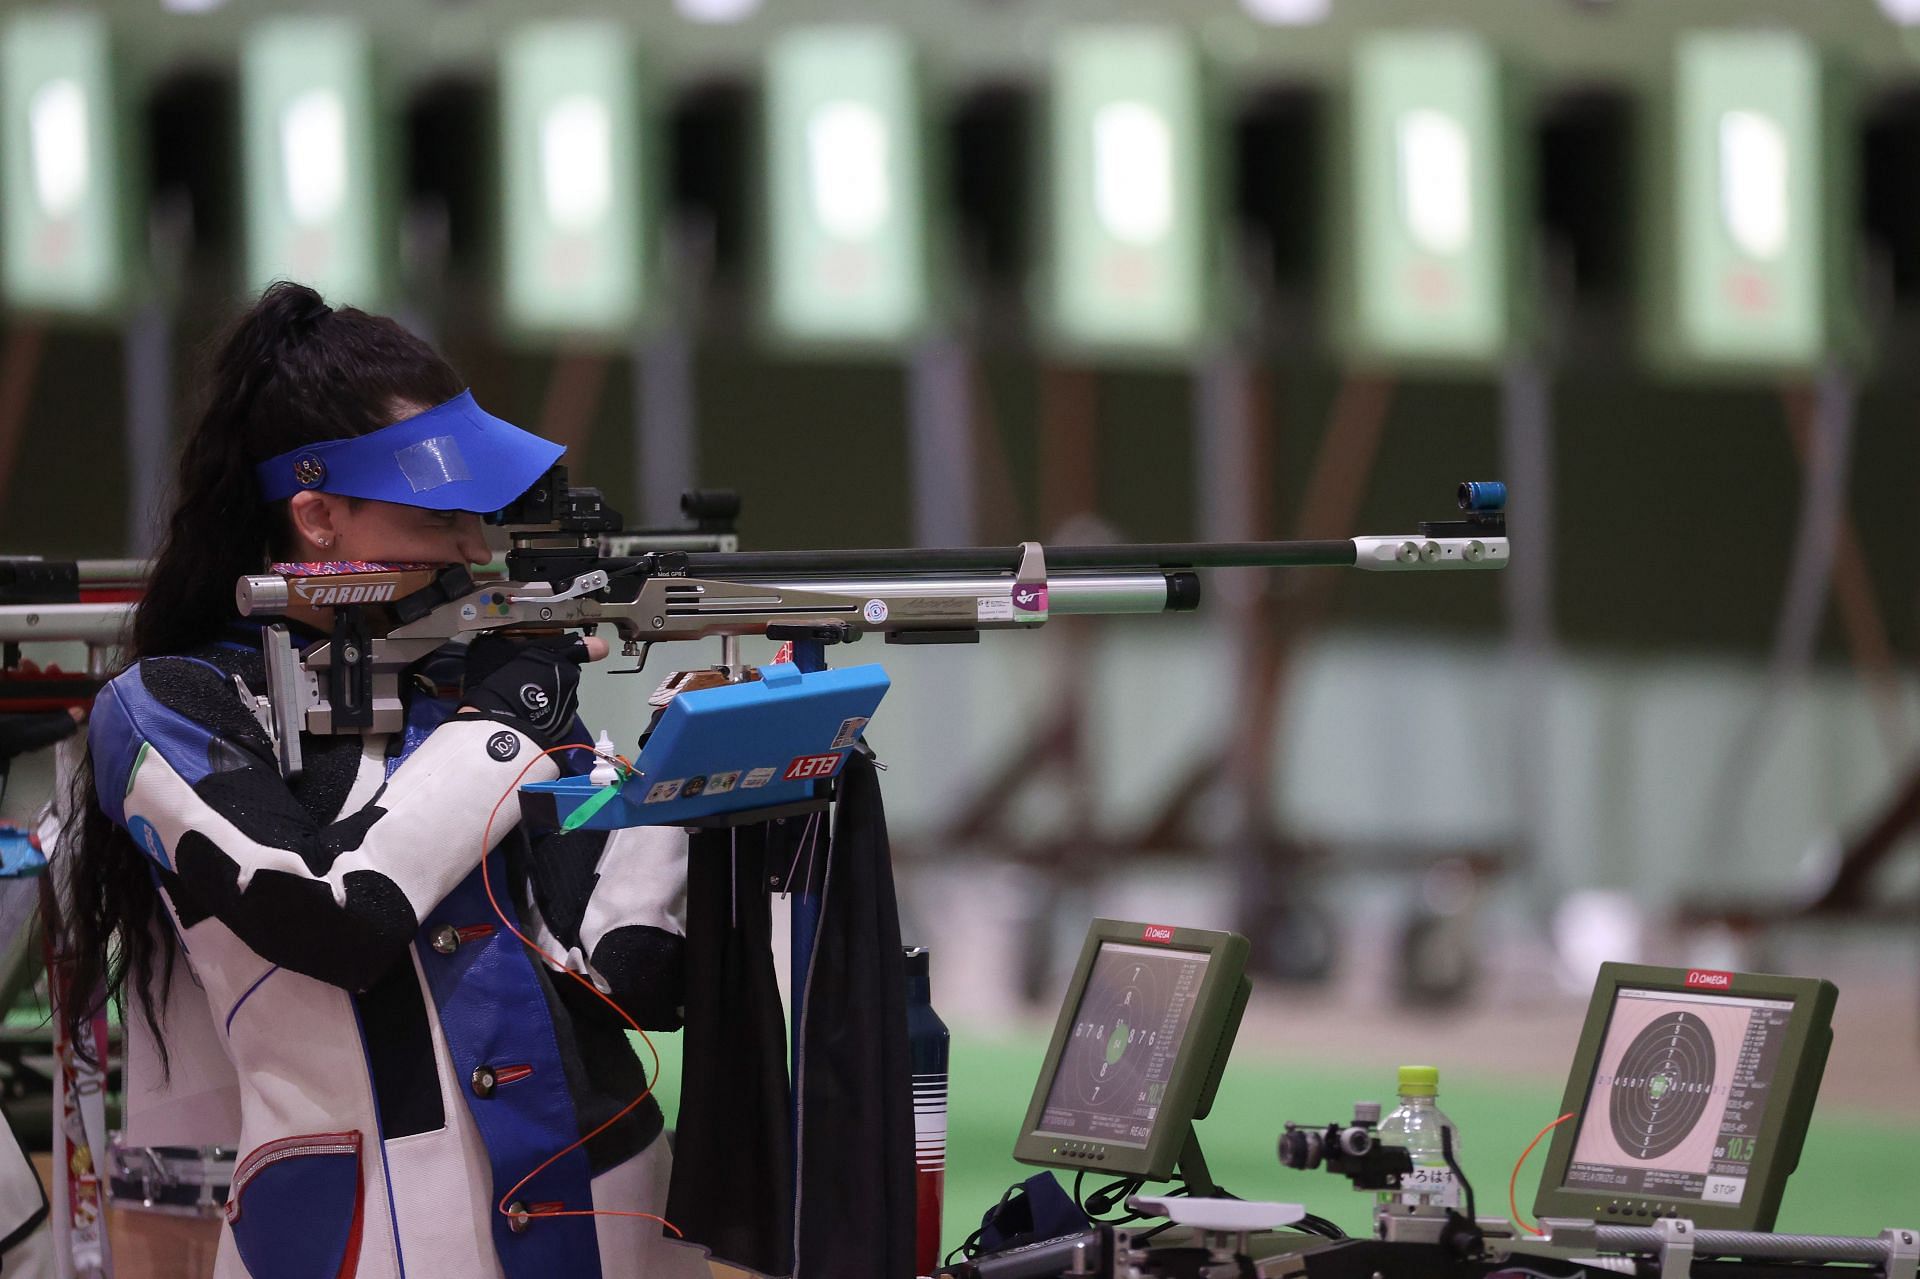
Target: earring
[[323, 542]]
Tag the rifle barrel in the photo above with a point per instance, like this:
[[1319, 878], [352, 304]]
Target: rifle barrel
[[113, 573], [104, 623], [1150, 557]]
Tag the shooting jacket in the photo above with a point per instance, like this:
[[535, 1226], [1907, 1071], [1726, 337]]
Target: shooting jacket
[[402, 1059]]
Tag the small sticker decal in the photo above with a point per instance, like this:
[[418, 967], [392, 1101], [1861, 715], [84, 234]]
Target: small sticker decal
[[721, 783], [994, 608], [468, 612], [503, 745], [849, 732], [1156, 932], [149, 839], [1030, 599], [695, 786], [661, 792], [756, 779], [875, 611], [808, 767]]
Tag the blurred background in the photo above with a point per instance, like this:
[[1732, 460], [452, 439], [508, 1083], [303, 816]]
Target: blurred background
[[952, 272]]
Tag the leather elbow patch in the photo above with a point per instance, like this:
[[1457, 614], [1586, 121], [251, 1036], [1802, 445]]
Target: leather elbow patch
[[646, 969], [295, 922]]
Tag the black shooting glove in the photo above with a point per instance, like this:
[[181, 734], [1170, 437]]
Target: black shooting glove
[[533, 683]]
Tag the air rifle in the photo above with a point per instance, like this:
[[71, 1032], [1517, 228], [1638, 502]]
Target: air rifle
[[55, 600], [46, 601], [338, 643], [376, 624]]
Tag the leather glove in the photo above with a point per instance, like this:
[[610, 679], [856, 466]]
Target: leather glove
[[535, 683]]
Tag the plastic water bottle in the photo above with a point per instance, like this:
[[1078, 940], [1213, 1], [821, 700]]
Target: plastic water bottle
[[1416, 1124], [927, 1043]]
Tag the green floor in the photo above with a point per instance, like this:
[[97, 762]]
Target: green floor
[[1858, 1173]]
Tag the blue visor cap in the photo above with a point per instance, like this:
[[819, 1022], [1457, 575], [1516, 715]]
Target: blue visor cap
[[453, 457]]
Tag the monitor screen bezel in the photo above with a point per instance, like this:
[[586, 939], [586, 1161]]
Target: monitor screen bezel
[[1209, 1028], [1796, 1083]]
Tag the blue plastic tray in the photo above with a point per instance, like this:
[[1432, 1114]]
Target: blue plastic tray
[[721, 755]]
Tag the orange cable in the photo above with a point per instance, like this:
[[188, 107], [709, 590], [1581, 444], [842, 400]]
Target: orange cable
[[486, 880], [1512, 1201]]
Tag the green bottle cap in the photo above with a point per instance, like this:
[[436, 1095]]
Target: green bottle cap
[[1419, 1081]]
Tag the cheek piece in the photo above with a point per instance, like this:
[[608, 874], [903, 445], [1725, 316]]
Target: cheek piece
[[455, 456]]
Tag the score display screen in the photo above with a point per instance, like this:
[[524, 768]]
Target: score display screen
[[1678, 1096], [1127, 1033]]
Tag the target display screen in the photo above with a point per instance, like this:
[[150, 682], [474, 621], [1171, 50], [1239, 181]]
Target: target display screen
[[1126, 1036], [1678, 1096]]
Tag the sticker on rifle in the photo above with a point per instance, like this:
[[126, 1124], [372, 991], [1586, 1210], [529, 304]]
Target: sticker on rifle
[[994, 608], [849, 732], [1030, 599], [695, 786], [661, 792], [756, 779], [875, 611], [721, 783], [804, 768]]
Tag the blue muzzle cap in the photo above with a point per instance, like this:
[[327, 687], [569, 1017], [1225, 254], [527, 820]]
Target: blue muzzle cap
[[453, 457]]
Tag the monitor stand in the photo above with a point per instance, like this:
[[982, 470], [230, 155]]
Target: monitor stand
[[1193, 1168]]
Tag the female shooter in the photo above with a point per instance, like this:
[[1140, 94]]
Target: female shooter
[[403, 1061]]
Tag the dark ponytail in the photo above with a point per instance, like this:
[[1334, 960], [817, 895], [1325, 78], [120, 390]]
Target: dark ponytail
[[291, 371]]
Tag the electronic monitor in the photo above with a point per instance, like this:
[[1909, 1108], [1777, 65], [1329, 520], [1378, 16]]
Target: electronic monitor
[[1136, 1056], [1691, 1091]]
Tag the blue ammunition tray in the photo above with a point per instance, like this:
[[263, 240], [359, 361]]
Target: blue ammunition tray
[[726, 755]]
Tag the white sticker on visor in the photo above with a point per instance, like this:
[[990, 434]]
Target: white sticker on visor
[[432, 462]]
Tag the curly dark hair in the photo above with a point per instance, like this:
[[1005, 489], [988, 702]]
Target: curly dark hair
[[291, 371]]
